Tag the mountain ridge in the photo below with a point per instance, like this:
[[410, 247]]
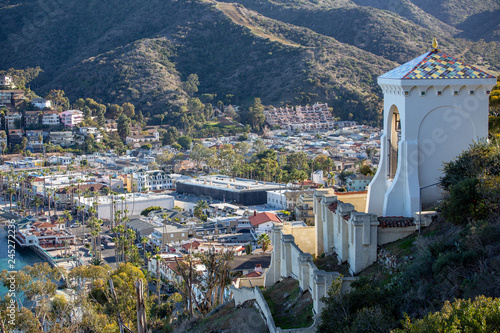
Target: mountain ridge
[[285, 52]]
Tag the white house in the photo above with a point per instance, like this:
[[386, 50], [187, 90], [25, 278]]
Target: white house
[[6, 81], [154, 180], [50, 118], [358, 182], [41, 103], [435, 106], [264, 222], [71, 118], [280, 199], [317, 177], [135, 203]]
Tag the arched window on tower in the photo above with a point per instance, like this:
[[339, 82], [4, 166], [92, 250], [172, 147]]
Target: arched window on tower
[[395, 136]]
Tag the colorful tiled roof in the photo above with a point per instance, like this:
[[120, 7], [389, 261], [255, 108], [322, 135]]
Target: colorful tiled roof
[[396, 222], [436, 65]]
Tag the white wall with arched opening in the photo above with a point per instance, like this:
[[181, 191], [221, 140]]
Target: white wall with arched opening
[[443, 134]]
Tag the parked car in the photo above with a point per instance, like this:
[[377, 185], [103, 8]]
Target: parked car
[[74, 225]]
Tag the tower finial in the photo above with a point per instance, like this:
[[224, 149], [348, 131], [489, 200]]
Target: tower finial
[[434, 43]]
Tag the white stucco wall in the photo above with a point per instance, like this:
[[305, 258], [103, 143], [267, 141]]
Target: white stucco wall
[[439, 119]]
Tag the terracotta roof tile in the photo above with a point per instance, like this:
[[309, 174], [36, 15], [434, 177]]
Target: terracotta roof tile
[[333, 206], [395, 221], [253, 274], [263, 218]]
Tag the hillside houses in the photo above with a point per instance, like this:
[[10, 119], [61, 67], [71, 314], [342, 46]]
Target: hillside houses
[[302, 118], [11, 99], [41, 103], [50, 118]]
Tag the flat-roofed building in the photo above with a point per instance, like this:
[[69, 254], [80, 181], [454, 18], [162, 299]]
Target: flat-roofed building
[[240, 190], [135, 203], [50, 118], [142, 226]]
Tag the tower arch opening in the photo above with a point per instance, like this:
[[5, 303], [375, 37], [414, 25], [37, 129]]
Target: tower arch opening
[[394, 138]]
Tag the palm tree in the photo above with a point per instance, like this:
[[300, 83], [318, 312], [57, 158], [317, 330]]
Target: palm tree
[[37, 202], [49, 194], [200, 206], [144, 240], [68, 216], [264, 240], [56, 199], [147, 258], [10, 191]]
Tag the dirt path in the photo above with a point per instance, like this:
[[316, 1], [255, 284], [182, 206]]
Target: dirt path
[[238, 17]]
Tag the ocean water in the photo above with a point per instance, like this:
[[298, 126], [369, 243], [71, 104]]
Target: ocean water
[[23, 256]]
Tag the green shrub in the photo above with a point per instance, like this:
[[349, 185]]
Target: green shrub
[[146, 211]]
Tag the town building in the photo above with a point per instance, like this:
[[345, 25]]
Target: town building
[[63, 139], [281, 199], [170, 234], [357, 183], [71, 118], [263, 222], [134, 203], [155, 180], [13, 120], [32, 118], [50, 118], [219, 187], [317, 177], [45, 235], [96, 133], [67, 194], [41, 103], [303, 118], [6, 82], [304, 208], [35, 140], [142, 226], [11, 99], [15, 137]]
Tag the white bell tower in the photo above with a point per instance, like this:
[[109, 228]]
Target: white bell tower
[[435, 106]]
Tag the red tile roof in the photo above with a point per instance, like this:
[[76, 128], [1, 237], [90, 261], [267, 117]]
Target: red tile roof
[[333, 206], [253, 274], [82, 187], [396, 221], [193, 245], [263, 218], [40, 225]]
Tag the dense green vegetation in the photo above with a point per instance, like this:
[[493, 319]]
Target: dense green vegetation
[[479, 315]]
